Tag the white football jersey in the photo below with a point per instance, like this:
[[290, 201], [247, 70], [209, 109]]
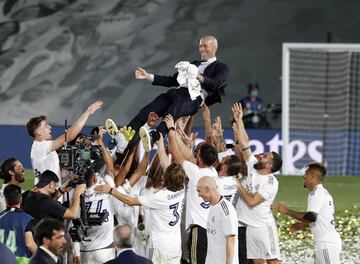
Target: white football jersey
[[321, 202], [222, 222], [267, 187], [228, 187], [99, 236], [196, 209], [42, 159], [165, 214]]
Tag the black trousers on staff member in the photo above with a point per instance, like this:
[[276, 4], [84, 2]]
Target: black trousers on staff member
[[197, 245], [242, 246]]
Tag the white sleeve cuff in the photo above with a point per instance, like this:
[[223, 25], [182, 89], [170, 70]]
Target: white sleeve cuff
[[151, 77]]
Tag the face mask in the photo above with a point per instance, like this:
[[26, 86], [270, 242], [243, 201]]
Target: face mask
[[254, 93]]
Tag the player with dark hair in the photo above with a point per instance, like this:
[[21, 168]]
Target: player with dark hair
[[43, 150], [197, 210], [257, 191], [165, 214], [319, 216], [12, 172]]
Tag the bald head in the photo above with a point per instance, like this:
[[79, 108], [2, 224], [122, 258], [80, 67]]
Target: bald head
[[208, 182], [207, 47], [207, 190]]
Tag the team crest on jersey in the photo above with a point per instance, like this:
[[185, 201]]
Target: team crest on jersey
[[271, 180]]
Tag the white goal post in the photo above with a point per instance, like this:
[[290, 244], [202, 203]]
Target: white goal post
[[321, 107]]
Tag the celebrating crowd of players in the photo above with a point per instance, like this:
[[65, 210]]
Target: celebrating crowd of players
[[198, 203]]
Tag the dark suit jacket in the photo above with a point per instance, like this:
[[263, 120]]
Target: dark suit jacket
[[215, 78], [41, 257], [129, 257]]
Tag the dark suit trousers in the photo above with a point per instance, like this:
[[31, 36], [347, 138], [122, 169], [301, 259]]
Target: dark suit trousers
[[176, 102]]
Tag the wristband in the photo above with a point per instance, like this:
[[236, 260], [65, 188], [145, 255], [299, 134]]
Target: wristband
[[172, 128], [59, 189], [246, 148], [111, 189]]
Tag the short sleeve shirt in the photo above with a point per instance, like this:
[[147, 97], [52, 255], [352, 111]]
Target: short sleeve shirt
[[42, 159], [264, 185], [196, 209], [222, 222], [39, 206], [321, 202]]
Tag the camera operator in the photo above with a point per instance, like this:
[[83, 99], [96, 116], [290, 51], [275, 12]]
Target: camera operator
[[97, 245], [43, 150], [40, 202]]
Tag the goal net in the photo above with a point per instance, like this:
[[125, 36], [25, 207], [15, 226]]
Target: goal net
[[321, 107]]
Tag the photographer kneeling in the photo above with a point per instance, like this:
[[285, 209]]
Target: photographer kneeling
[[40, 201]]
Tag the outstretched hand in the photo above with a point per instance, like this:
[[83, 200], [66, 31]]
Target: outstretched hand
[[141, 74], [152, 118], [281, 208], [95, 106], [102, 132], [105, 188], [169, 120], [206, 110], [188, 140], [298, 226], [237, 111]]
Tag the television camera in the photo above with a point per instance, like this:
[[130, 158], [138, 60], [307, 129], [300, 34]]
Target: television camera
[[78, 159]]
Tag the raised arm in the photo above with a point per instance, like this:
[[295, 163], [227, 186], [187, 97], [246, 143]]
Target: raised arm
[[173, 148], [207, 123], [109, 163], [163, 156], [124, 168], [184, 144], [75, 129], [243, 138], [140, 171], [217, 135]]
